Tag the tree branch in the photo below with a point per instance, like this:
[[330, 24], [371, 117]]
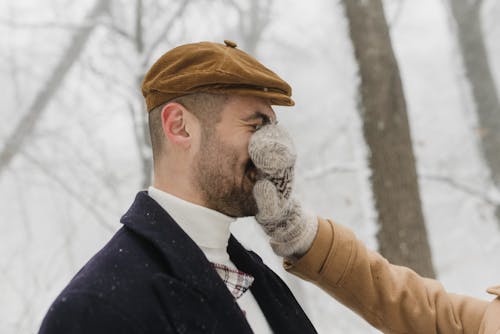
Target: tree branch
[[163, 32], [461, 187], [478, 4], [333, 168], [117, 30], [84, 202], [30, 119], [46, 25]]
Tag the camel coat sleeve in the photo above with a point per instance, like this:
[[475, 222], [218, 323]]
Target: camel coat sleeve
[[392, 298]]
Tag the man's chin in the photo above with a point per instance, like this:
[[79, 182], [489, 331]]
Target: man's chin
[[240, 209], [248, 214], [251, 208], [241, 213]]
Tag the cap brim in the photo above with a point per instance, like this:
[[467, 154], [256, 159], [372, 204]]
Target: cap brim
[[274, 98]]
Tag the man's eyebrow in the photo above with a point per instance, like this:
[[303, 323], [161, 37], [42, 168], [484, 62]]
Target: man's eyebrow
[[258, 115]]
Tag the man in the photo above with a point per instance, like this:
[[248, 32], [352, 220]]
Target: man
[[174, 267], [392, 298]]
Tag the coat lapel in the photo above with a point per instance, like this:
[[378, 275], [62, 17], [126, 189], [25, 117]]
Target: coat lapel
[[276, 301], [193, 295]]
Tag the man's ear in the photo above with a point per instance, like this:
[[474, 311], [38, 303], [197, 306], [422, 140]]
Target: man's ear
[[173, 121]]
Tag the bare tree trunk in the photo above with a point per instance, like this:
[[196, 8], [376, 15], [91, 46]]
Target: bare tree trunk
[[402, 235], [140, 120], [31, 117], [143, 141], [137, 105], [467, 15]]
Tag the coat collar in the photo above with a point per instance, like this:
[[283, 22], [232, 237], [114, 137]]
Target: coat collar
[[184, 259]]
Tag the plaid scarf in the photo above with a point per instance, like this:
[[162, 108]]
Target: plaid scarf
[[236, 281]]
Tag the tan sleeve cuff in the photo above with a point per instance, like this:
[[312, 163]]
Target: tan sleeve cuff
[[330, 256]]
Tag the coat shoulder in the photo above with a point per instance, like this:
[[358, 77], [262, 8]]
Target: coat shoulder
[[116, 287], [124, 263], [83, 312]]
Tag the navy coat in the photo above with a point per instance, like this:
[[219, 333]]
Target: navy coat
[[152, 278]]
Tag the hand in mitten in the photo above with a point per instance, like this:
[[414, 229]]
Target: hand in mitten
[[291, 230]]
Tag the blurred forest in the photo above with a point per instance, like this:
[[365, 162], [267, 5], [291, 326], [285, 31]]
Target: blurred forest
[[397, 126]]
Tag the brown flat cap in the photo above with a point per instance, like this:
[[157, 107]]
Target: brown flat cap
[[207, 67]]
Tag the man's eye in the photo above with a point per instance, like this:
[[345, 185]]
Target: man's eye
[[256, 126]]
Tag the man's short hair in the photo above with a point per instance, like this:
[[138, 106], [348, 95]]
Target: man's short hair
[[206, 107]]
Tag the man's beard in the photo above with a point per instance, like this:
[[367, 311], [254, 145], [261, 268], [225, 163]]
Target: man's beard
[[214, 175]]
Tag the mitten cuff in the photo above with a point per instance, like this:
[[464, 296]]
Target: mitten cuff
[[303, 237]]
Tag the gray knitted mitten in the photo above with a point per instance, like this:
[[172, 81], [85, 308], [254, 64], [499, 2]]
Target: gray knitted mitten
[[291, 230]]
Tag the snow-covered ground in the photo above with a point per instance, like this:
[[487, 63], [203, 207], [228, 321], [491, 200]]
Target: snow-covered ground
[[50, 221]]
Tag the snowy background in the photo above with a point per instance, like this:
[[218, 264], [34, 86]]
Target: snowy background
[[78, 171]]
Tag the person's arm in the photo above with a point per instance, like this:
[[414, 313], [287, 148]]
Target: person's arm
[[392, 298]]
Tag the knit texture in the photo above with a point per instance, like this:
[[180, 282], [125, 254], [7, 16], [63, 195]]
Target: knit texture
[[280, 215]]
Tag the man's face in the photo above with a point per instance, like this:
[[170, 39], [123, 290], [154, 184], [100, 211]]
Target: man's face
[[223, 170]]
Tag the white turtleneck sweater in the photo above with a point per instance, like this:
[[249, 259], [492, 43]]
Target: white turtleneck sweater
[[209, 229]]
